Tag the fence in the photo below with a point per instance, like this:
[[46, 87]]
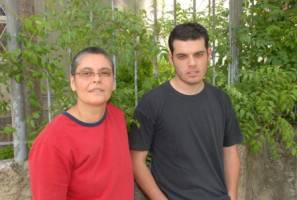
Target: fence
[[20, 135]]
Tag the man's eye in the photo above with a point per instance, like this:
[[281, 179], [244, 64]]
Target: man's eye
[[198, 55], [181, 57]]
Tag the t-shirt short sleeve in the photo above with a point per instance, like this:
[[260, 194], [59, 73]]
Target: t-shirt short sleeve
[[232, 134], [142, 129]]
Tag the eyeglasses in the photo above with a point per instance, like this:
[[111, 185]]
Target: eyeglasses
[[91, 74]]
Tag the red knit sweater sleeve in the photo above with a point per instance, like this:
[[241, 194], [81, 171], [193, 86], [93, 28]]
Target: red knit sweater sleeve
[[49, 169]]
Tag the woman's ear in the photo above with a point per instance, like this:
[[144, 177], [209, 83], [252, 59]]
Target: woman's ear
[[114, 85], [72, 83]]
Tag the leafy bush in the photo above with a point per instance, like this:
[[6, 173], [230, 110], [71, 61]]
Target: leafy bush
[[264, 100], [6, 152], [266, 95]]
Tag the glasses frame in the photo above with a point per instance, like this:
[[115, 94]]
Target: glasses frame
[[92, 74]]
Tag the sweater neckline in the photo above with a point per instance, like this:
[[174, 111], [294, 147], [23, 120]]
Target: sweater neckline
[[82, 123]]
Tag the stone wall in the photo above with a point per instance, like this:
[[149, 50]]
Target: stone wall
[[262, 178], [14, 182], [270, 179]]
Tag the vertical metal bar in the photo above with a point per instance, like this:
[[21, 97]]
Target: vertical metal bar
[[49, 92], [112, 8], [91, 17], [49, 100], [69, 52], [213, 43], [234, 22], [155, 63], [114, 58], [136, 67], [17, 88], [174, 12], [135, 78], [39, 7], [230, 67], [209, 11], [194, 10]]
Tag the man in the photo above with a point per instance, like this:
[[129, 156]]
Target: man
[[83, 153], [189, 127]]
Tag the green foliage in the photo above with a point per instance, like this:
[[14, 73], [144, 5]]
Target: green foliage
[[3, 106], [270, 28], [265, 97], [6, 152], [264, 100], [48, 39], [8, 130]]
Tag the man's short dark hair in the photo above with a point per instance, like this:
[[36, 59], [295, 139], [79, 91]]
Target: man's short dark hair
[[88, 50], [188, 31]]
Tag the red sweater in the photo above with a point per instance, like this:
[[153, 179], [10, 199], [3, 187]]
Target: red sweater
[[73, 160]]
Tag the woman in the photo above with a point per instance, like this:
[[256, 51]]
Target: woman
[[83, 153]]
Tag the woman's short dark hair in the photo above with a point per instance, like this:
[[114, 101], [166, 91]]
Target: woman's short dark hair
[[188, 31], [88, 50]]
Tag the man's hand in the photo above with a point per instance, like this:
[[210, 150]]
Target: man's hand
[[232, 168], [144, 178]]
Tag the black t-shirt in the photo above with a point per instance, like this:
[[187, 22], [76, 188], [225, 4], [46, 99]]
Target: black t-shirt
[[186, 135]]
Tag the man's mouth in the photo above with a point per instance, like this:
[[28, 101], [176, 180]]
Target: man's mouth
[[193, 73]]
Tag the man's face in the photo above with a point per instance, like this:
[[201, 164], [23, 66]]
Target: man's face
[[190, 60], [93, 89]]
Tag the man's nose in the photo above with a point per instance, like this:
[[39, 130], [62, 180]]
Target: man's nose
[[191, 61]]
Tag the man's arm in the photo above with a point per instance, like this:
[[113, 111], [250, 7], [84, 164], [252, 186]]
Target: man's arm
[[144, 177], [232, 169]]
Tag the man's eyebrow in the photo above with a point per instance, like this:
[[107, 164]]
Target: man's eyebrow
[[181, 54], [200, 52], [197, 52]]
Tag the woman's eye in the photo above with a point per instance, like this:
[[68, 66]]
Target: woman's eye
[[106, 74], [87, 74]]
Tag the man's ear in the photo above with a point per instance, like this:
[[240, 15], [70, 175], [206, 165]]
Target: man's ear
[[170, 58], [209, 53], [72, 83]]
